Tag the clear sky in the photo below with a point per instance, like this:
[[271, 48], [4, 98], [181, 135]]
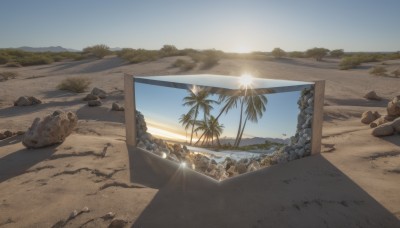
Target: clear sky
[[229, 25], [163, 106]]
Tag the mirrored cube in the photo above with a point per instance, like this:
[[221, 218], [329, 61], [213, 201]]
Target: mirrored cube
[[223, 126]]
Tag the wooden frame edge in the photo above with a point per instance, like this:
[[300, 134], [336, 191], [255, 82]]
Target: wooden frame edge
[[130, 110], [319, 93]]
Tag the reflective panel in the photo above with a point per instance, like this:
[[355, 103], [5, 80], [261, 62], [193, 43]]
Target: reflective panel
[[223, 126]]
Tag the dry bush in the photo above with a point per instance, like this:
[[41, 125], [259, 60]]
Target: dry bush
[[76, 84], [184, 65], [378, 71]]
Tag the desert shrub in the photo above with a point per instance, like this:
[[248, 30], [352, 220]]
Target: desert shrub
[[396, 73], [98, 51], [378, 71], [196, 56], [349, 62], [278, 53], [4, 59], [184, 65], [7, 75], [13, 64], [317, 53], [296, 54], [337, 53], [138, 55], [169, 50], [35, 60], [210, 58], [75, 84]]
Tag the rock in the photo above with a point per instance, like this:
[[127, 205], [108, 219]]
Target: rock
[[381, 120], [241, 167], [50, 130], [254, 166], [90, 97], [20, 132], [27, 101], [201, 162], [117, 223], [8, 134], [117, 107], [371, 95], [393, 107], [368, 117], [2, 136], [73, 214], [108, 216], [85, 209], [396, 125], [383, 130], [99, 92], [94, 103]]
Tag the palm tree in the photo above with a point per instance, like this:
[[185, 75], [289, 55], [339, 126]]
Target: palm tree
[[255, 108], [198, 100], [186, 121], [211, 129], [230, 102]]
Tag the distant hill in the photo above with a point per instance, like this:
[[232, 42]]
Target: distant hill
[[47, 49], [253, 141]]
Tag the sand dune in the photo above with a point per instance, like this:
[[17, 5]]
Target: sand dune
[[353, 183]]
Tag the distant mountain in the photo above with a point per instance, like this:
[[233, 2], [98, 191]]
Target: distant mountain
[[47, 49], [252, 141]]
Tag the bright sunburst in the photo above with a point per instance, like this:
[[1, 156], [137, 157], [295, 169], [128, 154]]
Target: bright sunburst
[[246, 80]]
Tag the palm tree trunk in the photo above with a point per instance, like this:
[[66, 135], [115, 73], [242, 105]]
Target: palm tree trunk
[[200, 138], [219, 144], [240, 121], [194, 121], [241, 134]]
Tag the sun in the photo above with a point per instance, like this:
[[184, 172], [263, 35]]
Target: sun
[[245, 80]]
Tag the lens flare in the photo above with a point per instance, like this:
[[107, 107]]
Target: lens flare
[[246, 80]]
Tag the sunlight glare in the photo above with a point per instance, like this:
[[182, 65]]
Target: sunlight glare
[[246, 80]]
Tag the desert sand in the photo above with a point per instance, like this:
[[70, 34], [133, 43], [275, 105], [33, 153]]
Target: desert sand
[[354, 182]]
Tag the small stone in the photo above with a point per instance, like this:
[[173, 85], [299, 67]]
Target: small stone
[[27, 101], [73, 214], [117, 223], [85, 209], [393, 107], [99, 92], [383, 130], [368, 117], [94, 103], [254, 166], [8, 133], [108, 216], [90, 97], [2, 136], [116, 107], [371, 95]]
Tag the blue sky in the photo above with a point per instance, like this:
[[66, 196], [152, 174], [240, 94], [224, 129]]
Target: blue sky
[[162, 108], [229, 25]]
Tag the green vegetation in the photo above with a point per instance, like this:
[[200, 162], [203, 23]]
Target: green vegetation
[[210, 58], [378, 71], [337, 53], [169, 50], [296, 54], [278, 53], [184, 65], [4, 76], [266, 146], [76, 84], [354, 60], [99, 51], [17, 58], [138, 55], [317, 53]]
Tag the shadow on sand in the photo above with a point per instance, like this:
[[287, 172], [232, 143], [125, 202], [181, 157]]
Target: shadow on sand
[[18, 162], [309, 192]]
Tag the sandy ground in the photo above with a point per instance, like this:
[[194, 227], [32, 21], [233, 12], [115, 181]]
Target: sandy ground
[[355, 182]]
